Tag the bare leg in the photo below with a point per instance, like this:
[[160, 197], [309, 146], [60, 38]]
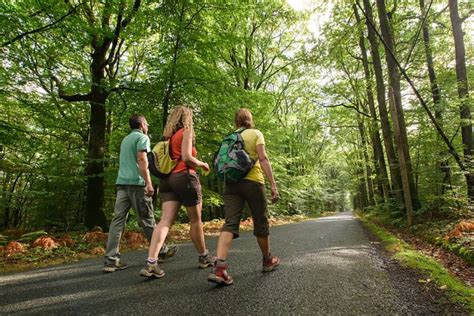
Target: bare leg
[[264, 244], [168, 214], [196, 230], [223, 244]]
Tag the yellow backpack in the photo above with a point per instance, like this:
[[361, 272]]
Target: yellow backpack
[[160, 162]]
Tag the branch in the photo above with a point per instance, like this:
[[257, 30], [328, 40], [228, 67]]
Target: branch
[[340, 126], [121, 24], [122, 88], [20, 36], [353, 55], [418, 32], [347, 107], [468, 15], [70, 98]]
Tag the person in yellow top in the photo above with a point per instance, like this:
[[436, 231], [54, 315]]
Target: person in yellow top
[[253, 138], [250, 190]]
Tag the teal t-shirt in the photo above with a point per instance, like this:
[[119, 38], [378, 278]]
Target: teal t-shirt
[[129, 174]]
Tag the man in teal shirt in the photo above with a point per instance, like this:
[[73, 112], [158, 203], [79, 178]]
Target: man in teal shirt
[[134, 190]]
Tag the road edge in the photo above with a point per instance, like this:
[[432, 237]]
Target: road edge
[[404, 254]]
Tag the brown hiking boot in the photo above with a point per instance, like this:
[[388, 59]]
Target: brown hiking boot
[[162, 256], [270, 263], [152, 270], [206, 261], [113, 265]]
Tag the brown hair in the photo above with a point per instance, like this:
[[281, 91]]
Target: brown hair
[[180, 117], [243, 118], [135, 121]]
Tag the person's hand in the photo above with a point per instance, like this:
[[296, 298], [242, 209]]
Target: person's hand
[[275, 194], [149, 190], [205, 166]]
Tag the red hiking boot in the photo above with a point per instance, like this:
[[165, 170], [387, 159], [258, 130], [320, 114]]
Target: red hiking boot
[[219, 274], [270, 263]]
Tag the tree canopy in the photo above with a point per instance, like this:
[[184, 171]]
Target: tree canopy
[[363, 104]]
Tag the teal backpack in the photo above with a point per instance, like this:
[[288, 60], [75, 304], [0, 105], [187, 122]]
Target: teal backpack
[[232, 162]]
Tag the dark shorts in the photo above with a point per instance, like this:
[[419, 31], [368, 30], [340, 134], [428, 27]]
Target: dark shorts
[[235, 196], [182, 187]]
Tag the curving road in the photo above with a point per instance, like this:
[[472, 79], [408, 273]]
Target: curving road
[[329, 266]]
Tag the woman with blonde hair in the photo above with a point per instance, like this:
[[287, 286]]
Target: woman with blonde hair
[[181, 187], [250, 190]]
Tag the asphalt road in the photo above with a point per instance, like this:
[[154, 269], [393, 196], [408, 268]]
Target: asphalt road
[[329, 266]]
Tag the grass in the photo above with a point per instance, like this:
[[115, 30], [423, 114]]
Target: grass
[[456, 290]]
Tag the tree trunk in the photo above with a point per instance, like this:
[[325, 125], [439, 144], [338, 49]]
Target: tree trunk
[[368, 169], [95, 215], [395, 99], [443, 165], [6, 204], [95, 167], [361, 180], [463, 93], [397, 191], [380, 166]]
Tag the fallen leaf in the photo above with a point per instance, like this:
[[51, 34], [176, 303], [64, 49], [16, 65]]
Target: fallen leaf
[[98, 251], [45, 243], [13, 247]]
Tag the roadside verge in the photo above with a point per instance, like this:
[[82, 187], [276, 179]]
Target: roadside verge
[[401, 251]]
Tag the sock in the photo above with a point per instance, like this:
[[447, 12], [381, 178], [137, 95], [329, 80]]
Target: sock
[[151, 260], [203, 254], [219, 262]]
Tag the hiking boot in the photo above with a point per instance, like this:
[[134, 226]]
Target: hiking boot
[[270, 263], [206, 261], [219, 274], [162, 256], [152, 270], [114, 265]]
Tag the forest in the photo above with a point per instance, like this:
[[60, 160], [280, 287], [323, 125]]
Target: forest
[[365, 105]]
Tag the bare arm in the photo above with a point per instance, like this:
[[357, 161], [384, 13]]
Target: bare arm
[[267, 170], [143, 168], [186, 151]]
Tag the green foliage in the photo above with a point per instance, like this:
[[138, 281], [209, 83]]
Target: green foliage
[[28, 237], [3, 240], [302, 85]]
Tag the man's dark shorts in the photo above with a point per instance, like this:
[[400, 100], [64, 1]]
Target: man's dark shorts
[[182, 187], [235, 196]]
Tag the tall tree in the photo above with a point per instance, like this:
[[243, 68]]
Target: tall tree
[[463, 93], [435, 89], [398, 117], [382, 105], [108, 22], [380, 166]]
